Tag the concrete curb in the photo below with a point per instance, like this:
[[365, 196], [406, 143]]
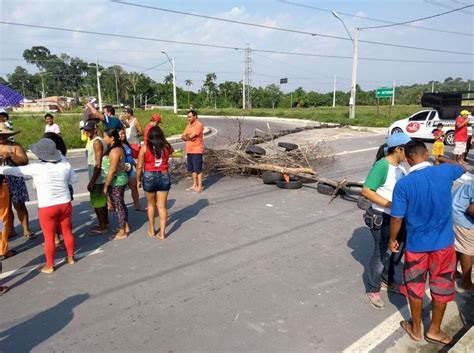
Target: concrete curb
[[75, 152], [375, 130]]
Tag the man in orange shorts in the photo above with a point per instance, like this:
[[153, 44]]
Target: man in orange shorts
[[422, 199]]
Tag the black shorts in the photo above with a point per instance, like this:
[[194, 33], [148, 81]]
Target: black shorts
[[194, 162]]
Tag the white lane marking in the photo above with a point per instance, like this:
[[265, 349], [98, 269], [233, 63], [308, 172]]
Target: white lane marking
[[381, 332], [33, 268], [355, 151]]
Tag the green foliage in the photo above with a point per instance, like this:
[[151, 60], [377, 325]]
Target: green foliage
[[32, 126]]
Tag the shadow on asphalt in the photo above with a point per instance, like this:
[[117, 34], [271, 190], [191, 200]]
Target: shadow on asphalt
[[28, 334], [178, 218], [361, 244]]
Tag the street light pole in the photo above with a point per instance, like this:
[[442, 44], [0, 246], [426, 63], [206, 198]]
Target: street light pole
[[352, 100], [355, 42], [99, 95], [175, 101], [116, 88]]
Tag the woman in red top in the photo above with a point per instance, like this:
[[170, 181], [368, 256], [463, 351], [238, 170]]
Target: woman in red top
[[153, 165]]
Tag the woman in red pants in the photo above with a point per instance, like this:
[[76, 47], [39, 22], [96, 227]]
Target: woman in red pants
[[51, 177]]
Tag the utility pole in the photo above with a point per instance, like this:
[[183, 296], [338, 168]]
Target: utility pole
[[243, 92], [469, 93], [175, 101], [432, 87], [352, 100], [42, 90], [334, 93], [116, 88], [393, 96], [99, 95], [247, 72]]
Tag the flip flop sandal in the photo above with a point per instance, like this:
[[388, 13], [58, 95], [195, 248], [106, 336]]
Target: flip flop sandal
[[3, 290], [118, 237], [32, 235], [404, 325], [10, 253], [432, 340], [151, 235]]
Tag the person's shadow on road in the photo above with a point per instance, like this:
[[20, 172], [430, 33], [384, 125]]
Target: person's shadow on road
[[28, 334], [362, 244], [185, 214]]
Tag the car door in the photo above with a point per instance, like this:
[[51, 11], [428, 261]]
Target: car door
[[416, 126]]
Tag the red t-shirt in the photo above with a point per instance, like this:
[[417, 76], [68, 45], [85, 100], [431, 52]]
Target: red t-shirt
[[153, 164], [438, 135], [460, 134]]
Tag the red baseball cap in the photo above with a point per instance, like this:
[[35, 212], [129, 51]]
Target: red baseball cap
[[156, 118]]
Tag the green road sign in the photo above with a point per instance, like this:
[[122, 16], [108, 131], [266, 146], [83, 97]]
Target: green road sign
[[384, 93]]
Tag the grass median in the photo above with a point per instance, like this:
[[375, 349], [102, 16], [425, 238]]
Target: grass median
[[32, 125]]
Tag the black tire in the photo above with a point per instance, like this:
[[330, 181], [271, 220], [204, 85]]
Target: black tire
[[269, 177], [449, 138], [352, 189], [288, 146], [325, 189], [363, 203], [255, 150], [396, 130], [292, 184]]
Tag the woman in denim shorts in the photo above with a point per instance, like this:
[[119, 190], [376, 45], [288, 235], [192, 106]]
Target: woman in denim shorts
[[153, 175]]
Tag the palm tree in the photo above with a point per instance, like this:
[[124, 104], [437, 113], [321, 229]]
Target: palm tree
[[188, 83]]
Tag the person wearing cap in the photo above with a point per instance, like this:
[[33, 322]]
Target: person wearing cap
[[134, 131], [95, 149], [378, 188], [460, 136], [51, 177], [422, 200], [193, 135], [463, 221], [107, 117], [155, 120]]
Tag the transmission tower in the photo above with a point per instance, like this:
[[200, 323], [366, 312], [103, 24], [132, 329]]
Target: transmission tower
[[246, 83]]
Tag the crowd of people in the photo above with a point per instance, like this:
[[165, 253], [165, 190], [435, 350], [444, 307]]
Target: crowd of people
[[116, 158], [415, 214]]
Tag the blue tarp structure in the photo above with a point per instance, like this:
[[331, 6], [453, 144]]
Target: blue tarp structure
[[9, 97]]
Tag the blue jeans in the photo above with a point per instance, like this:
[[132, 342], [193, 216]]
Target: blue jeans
[[382, 264]]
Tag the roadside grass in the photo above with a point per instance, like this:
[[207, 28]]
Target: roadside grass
[[365, 115], [32, 125]]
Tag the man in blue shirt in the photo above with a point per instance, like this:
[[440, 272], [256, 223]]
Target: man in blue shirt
[[423, 200], [108, 117]]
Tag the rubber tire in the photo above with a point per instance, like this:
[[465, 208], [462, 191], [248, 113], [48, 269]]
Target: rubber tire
[[307, 180], [292, 184], [255, 150], [352, 189], [396, 130], [363, 203], [288, 146], [325, 189], [449, 138], [270, 178]]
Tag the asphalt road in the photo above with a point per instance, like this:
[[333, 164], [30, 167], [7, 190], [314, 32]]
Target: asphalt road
[[247, 267]]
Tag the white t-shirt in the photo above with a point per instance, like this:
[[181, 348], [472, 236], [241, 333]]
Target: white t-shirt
[[51, 180], [52, 128]]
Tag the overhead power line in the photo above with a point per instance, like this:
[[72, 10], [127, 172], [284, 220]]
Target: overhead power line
[[373, 19], [222, 46], [314, 34], [420, 19]]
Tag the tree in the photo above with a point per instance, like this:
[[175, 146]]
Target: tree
[[37, 55], [188, 84], [23, 82], [209, 85]]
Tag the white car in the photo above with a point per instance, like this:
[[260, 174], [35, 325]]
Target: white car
[[421, 125]]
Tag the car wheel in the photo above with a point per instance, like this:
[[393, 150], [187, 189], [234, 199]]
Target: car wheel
[[292, 184], [396, 130], [449, 138]]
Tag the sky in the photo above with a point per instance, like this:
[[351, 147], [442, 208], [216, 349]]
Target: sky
[[451, 32]]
